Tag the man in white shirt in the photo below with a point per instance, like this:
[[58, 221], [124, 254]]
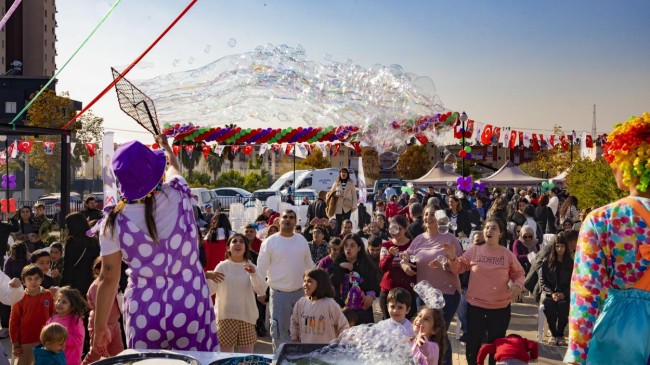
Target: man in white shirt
[[554, 201], [283, 259]]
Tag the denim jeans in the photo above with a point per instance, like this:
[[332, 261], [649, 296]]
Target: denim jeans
[[280, 308], [451, 304], [462, 312]]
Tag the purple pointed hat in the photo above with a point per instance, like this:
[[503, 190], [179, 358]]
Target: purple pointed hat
[[138, 169]]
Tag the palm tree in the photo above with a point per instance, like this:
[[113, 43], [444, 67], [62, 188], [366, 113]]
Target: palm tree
[[230, 155]]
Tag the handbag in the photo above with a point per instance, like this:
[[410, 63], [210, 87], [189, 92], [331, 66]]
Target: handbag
[[618, 336], [330, 202]]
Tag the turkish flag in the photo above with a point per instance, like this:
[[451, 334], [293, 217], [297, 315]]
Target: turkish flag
[[176, 150], [247, 150], [25, 146], [565, 146], [486, 135], [542, 141], [521, 138], [189, 149], [589, 141], [535, 142], [91, 148], [551, 141], [496, 135], [337, 147], [513, 139], [357, 145], [289, 149], [469, 129], [206, 151]]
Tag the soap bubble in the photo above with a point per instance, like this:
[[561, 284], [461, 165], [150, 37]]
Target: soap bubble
[[207, 48], [431, 296], [232, 42], [443, 228], [190, 60], [453, 226], [413, 259], [176, 62]]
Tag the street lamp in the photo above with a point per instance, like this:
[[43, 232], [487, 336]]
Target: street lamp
[[463, 119]]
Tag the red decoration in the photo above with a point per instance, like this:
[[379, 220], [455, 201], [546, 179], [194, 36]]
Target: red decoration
[[247, 150], [206, 150], [176, 149], [91, 148], [12, 205], [25, 146], [486, 135], [589, 141], [337, 147], [289, 149]]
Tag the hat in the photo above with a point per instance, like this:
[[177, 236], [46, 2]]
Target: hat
[[138, 169], [207, 206]]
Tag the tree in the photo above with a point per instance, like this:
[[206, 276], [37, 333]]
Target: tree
[[214, 164], [190, 160], [228, 150], [593, 183], [52, 111], [370, 159], [254, 181], [200, 180], [315, 160], [414, 163], [231, 178]]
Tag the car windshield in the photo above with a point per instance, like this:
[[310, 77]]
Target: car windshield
[[262, 195]]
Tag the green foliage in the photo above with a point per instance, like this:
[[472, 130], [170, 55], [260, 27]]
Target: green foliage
[[254, 163], [593, 183], [370, 159], [255, 181], [231, 178], [414, 163], [200, 180], [314, 161]]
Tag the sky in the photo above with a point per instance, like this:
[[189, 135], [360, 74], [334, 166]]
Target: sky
[[522, 64]]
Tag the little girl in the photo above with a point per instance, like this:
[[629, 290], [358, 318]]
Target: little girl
[[115, 346], [317, 317], [70, 308], [233, 281], [429, 326]]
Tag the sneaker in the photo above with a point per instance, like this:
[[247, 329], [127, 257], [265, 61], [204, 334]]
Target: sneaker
[[561, 341], [552, 341], [4, 333]]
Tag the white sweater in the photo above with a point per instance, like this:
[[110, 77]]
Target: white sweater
[[284, 261], [235, 298]]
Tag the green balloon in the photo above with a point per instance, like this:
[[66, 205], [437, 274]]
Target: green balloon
[[544, 184], [468, 149]]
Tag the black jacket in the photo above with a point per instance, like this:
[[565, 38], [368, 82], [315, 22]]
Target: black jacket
[[555, 281], [416, 228], [545, 219], [316, 209], [463, 221]]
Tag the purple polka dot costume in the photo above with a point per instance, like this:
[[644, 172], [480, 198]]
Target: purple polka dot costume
[[166, 303]]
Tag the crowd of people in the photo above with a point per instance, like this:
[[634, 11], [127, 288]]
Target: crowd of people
[[146, 276]]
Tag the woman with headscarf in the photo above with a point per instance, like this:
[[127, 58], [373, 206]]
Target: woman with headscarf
[[342, 197], [611, 273], [525, 245]]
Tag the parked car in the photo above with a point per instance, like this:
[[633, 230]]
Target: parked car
[[52, 203], [99, 198], [301, 193], [261, 195], [205, 196], [383, 184], [227, 196]]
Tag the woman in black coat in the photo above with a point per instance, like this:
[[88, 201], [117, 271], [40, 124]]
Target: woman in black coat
[[544, 216], [80, 251], [456, 213], [555, 281]]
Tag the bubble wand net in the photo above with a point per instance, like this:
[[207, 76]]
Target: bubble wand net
[[136, 104]]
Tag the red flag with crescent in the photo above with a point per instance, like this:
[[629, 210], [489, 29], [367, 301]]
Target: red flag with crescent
[[91, 148], [496, 135], [25, 146], [247, 150], [176, 149], [565, 146], [535, 142], [206, 151], [486, 135], [357, 146], [551, 141], [289, 149], [589, 141], [513, 139]]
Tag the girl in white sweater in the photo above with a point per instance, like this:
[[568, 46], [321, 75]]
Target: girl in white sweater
[[317, 317], [234, 281]]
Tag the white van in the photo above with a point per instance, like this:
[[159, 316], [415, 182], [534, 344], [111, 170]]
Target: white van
[[205, 196], [321, 179], [283, 182]]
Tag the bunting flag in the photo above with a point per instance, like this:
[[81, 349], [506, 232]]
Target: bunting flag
[[13, 149], [263, 148], [521, 138], [25, 146], [48, 147], [487, 134], [513, 139], [506, 138], [234, 150], [535, 142], [469, 129], [323, 149], [91, 149], [542, 141], [565, 146], [337, 147], [176, 149], [72, 146], [496, 135], [526, 140], [189, 149], [357, 145], [301, 151], [206, 150], [218, 149], [551, 141], [589, 140], [289, 149], [247, 149], [457, 133]]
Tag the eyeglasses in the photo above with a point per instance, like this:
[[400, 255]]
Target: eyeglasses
[[528, 236]]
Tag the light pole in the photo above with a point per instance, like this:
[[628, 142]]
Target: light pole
[[463, 119]]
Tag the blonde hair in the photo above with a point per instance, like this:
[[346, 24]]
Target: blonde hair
[[54, 333]]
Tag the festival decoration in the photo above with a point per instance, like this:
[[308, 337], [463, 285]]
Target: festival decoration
[[479, 186], [547, 186], [8, 181], [628, 150], [465, 183], [407, 189], [8, 208]]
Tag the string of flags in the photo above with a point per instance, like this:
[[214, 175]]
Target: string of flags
[[302, 150], [26, 147]]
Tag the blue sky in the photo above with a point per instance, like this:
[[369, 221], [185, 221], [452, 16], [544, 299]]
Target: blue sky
[[523, 64]]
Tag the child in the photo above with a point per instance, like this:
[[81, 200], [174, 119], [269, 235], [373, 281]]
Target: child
[[115, 346], [399, 304], [351, 316], [429, 325], [29, 315], [233, 281], [70, 309], [56, 265], [513, 349], [53, 337], [317, 318], [41, 258], [333, 249]]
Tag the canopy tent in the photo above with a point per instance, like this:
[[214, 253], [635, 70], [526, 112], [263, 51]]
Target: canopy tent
[[437, 177], [560, 179], [510, 175]]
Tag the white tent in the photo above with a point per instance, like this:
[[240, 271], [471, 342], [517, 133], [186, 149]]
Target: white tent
[[510, 175], [561, 178], [437, 177]]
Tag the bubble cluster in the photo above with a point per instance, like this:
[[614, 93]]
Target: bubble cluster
[[367, 344], [278, 83], [232, 42], [431, 296]]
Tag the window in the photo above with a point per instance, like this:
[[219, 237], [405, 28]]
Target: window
[[10, 107], [45, 27]]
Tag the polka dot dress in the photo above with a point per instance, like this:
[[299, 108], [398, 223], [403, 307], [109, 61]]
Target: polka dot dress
[[166, 303], [605, 259]]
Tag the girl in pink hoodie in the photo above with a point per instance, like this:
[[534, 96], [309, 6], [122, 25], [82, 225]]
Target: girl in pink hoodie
[[70, 307]]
